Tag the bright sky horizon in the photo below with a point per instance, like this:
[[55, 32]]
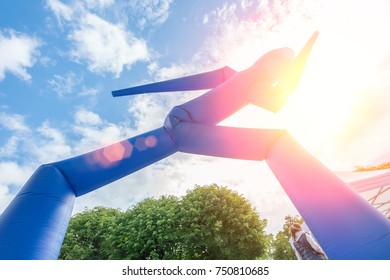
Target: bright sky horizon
[[60, 60]]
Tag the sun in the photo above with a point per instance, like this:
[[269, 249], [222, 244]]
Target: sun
[[335, 105], [329, 101], [318, 112], [323, 106]]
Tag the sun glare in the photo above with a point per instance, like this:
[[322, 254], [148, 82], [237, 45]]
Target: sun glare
[[323, 107], [338, 107]]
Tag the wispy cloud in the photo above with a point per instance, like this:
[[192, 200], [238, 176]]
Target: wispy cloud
[[105, 46], [71, 84], [226, 12], [10, 148], [51, 144], [93, 132], [148, 12], [12, 175], [18, 52], [17, 131], [14, 171], [63, 85], [99, 3], [61, 11], [13, 122]]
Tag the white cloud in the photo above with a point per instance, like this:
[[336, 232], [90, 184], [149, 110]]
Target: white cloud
[[51, 133], [87, 117], [245, 4], [20, 131], [143, 13], [99, 3], [172, 71], [63, 85], [224, 13], [88, 91], [49, 145], [60, 10], [14, 122], [106, 47], [146, 13], [5, 197], [148, 111], [17, 53], [95, 132], [11, 147], [101, 41], [33, 146], [70, 84], [12, 175]]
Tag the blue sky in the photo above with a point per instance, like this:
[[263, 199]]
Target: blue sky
[[60, 60], [63, 69]]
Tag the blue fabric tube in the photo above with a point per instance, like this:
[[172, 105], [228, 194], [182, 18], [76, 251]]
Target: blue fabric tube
[[227, 142], [345, 225], [200, 81], [93, 170], [34, 224]]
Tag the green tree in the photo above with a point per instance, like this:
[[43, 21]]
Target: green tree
[[149, 230], [268, 254], [217, 223], [281, 248], [86, 233], [381, 166], [209, 222]]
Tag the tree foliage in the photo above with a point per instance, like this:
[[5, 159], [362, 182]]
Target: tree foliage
[[86, 233], [385, 165], [209, 222], [220, 224], [281, 248], [147, 231]]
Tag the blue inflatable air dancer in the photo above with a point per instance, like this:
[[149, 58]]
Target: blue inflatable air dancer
[[34, 224]]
